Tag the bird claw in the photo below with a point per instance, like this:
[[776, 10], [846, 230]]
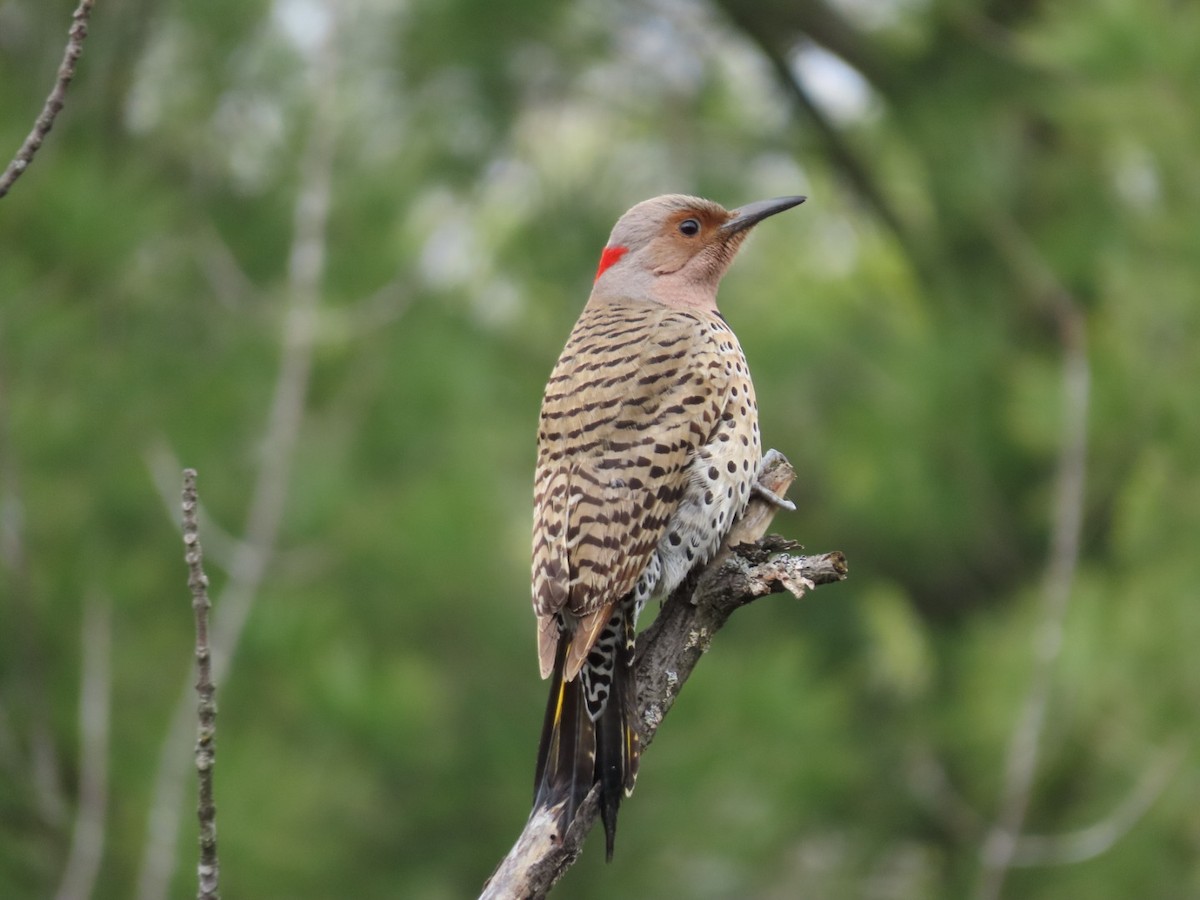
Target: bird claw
[[767, 475], [771, 497]]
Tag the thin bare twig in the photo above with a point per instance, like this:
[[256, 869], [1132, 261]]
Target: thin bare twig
[[1000, 846], [843, 155], [777, 40], [208, 871], [228, 281], [54, 103], [95, 693], [931, 784], [220, 547], [306, 267], [162, 463], [667, 653], [1088, 843]]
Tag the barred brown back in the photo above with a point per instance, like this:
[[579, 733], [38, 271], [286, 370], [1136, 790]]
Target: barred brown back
[[647, 449]]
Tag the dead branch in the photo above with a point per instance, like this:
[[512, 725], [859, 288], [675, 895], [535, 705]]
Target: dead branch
[[54, 103], [750, 566], [208, 871], [997, 856]]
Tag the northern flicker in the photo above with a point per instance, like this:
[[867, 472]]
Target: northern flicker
[[648, 450]]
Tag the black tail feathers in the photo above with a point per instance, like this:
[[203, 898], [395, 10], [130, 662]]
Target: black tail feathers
[[566, 756], [577, 752]]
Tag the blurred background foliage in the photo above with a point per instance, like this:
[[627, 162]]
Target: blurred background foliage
[[384, 218]]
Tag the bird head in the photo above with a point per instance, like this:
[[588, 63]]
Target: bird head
[[674, 248]]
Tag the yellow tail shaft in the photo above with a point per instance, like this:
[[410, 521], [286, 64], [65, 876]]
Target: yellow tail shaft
[[577, 752]]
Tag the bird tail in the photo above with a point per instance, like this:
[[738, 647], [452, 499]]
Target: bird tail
[[588, 736]]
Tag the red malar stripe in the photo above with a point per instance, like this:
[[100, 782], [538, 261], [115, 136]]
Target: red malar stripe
[[608, 257]]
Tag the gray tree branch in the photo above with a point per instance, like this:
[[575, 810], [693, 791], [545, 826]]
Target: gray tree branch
[[775, 24], [777, 28], [750, 566], [998, 854], [208, 871], [54, 103], [306, 269]]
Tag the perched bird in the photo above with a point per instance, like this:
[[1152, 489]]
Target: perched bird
[[648, 450]]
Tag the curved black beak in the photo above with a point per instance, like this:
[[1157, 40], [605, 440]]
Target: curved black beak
[[752, 213]]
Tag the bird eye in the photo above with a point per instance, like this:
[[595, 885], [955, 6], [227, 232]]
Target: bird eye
[[689, 227]]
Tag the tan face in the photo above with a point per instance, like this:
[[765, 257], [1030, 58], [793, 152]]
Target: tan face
[[674, 249], [693, 239]]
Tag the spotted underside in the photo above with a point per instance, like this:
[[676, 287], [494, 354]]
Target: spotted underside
[[647, 449]]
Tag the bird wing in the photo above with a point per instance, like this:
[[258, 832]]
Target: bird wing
[[637, 390]]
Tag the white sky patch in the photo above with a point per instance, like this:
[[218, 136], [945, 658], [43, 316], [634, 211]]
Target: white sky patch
[[834, 86], [450, 255], [1135, 177], [250, 129], [305, 23], [162, 75], [658, 47], [456, 256]]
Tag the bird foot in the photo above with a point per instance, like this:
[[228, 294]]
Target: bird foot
[[771, 497], [769, 461]]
